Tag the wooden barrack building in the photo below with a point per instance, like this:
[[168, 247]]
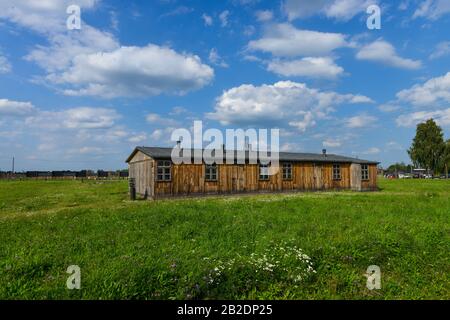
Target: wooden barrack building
[[155, 175]]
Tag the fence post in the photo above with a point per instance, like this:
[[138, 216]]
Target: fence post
[[132, 187]]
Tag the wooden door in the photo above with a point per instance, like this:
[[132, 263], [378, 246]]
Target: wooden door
[[237, 178], [355, 176], [318, 176]]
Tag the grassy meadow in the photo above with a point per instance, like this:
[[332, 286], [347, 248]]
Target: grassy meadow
[[284, 246]]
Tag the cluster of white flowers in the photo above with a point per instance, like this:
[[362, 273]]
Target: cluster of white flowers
[[283, 261]]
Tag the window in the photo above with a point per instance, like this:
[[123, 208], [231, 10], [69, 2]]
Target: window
[[364, 172], [287, 171], [263, 172], [336, 172], [211, 172], [163, 170]]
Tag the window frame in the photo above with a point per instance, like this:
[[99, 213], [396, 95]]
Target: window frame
[[264, 177], [365, 172], [166, 168], [209, 174], [337, 172], [289, 173]]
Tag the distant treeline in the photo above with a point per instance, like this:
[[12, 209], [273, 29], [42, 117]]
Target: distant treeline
[[66, 174]]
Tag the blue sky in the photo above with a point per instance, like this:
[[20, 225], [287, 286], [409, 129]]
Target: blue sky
[[135, 71]]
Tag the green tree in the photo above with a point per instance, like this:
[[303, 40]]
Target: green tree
[[399, 167], [428, 147], [446, 157]]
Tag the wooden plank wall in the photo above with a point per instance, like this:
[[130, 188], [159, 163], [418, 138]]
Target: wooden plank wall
[[140, 168], [190, 179], [355, 177], [370, 184]]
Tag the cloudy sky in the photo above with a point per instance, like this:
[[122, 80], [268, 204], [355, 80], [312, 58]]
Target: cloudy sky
[[134, 72]]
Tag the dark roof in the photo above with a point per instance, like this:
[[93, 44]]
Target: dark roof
[[165, 153]]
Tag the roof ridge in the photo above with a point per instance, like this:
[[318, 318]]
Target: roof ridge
[[165, 153]]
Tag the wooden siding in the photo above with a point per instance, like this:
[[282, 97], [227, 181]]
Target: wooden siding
[[189, 179], [370, 184], [363, 185], [355, 177], [140, 168]]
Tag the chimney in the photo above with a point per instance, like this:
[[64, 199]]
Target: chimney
[[324, 152], [179, 145]]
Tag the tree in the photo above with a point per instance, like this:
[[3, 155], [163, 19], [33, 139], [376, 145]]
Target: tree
[[399, 167], [446, 157], [428, 147]]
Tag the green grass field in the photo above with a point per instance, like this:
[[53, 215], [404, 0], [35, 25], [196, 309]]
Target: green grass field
[[245, 247]]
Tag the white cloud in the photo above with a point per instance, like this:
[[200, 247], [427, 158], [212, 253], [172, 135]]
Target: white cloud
[[442, 117], [337, 9], [264, 15], [249, 30], [284, 103], [393, 145], [383, 52], [74, 119], [88, 150], [404, 5], [48, 18], [295, 9], [442, 49], [331, 143], [252, 58], [360, 121], [5, 66], [162, 136], [290, 147], [134, 71], [157, 134], [67, 134], [311, 67], [216, 59], [372, 150], [208, 20], [178, 110], [432, 9], [288, 41], [347, 9], [92, 62], [79, 137], [389, 107], [223, 17], [114, 20], [138, 138], [64, 48], [180, 10], [89, 118], [16, 108], [155, 118], [432, 93]]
